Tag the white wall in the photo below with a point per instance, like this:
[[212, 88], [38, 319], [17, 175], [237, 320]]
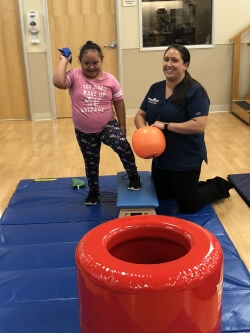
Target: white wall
[[231, 17]]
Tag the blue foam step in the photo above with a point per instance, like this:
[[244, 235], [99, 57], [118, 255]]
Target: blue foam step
[[143, 198]]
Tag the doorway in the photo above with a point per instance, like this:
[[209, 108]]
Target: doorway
[[72, 24]]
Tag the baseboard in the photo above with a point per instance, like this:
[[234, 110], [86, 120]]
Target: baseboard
[[42, 116], [213, 108]]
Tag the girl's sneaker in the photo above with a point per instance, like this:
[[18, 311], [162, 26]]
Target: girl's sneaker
[[92, 198], [134, 183]]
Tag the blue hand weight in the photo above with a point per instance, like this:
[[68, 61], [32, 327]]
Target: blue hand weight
[[66, 52]]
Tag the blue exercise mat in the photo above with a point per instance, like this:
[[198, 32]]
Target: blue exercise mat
[[241, 182], [39, 232]]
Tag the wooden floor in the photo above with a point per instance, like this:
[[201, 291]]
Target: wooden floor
[[43, 149]]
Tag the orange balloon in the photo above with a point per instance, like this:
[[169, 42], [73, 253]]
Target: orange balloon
[[148, 142]]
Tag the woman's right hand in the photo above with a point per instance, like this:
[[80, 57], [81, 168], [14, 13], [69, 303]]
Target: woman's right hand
[[140, 119], [159, 124]]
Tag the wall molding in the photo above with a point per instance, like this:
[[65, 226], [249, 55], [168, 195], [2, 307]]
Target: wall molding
[[213, 109]]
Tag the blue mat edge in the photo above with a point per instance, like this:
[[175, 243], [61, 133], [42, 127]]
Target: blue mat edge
[[241, 183]]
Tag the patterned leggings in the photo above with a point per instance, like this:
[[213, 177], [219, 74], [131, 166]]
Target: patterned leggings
[[90, 145]]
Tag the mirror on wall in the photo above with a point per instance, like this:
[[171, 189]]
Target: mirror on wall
[[186, 22]]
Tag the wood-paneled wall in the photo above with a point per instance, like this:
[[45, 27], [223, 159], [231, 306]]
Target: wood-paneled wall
[[13, 92]]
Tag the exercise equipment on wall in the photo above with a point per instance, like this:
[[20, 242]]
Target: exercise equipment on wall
[[240, 107]]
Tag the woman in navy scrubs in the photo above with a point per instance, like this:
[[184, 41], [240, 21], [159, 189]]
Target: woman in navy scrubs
[[179, 106]]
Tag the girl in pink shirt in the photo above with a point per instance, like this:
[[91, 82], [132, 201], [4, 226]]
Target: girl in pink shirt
[[93, 94]]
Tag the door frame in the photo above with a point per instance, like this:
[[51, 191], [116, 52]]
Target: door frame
[[49, 60], [118, 33], [21, 14]]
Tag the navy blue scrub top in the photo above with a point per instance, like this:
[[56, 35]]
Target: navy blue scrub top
[[183, 151]]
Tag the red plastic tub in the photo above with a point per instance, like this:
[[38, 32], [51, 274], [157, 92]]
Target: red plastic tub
[[149, 274]]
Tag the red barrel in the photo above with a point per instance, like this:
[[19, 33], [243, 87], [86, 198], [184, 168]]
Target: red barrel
[[149, 274]]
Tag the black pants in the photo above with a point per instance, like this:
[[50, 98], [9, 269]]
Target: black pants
[[90, 145], [184, 187]]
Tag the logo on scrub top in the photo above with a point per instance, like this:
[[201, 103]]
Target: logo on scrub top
[[153, 100]]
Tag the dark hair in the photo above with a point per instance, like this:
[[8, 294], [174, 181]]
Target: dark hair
[[185, 55], [181, 90], [90, 46]]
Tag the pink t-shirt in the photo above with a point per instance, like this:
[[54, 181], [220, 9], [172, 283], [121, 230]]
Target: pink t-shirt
[[91, 99]]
